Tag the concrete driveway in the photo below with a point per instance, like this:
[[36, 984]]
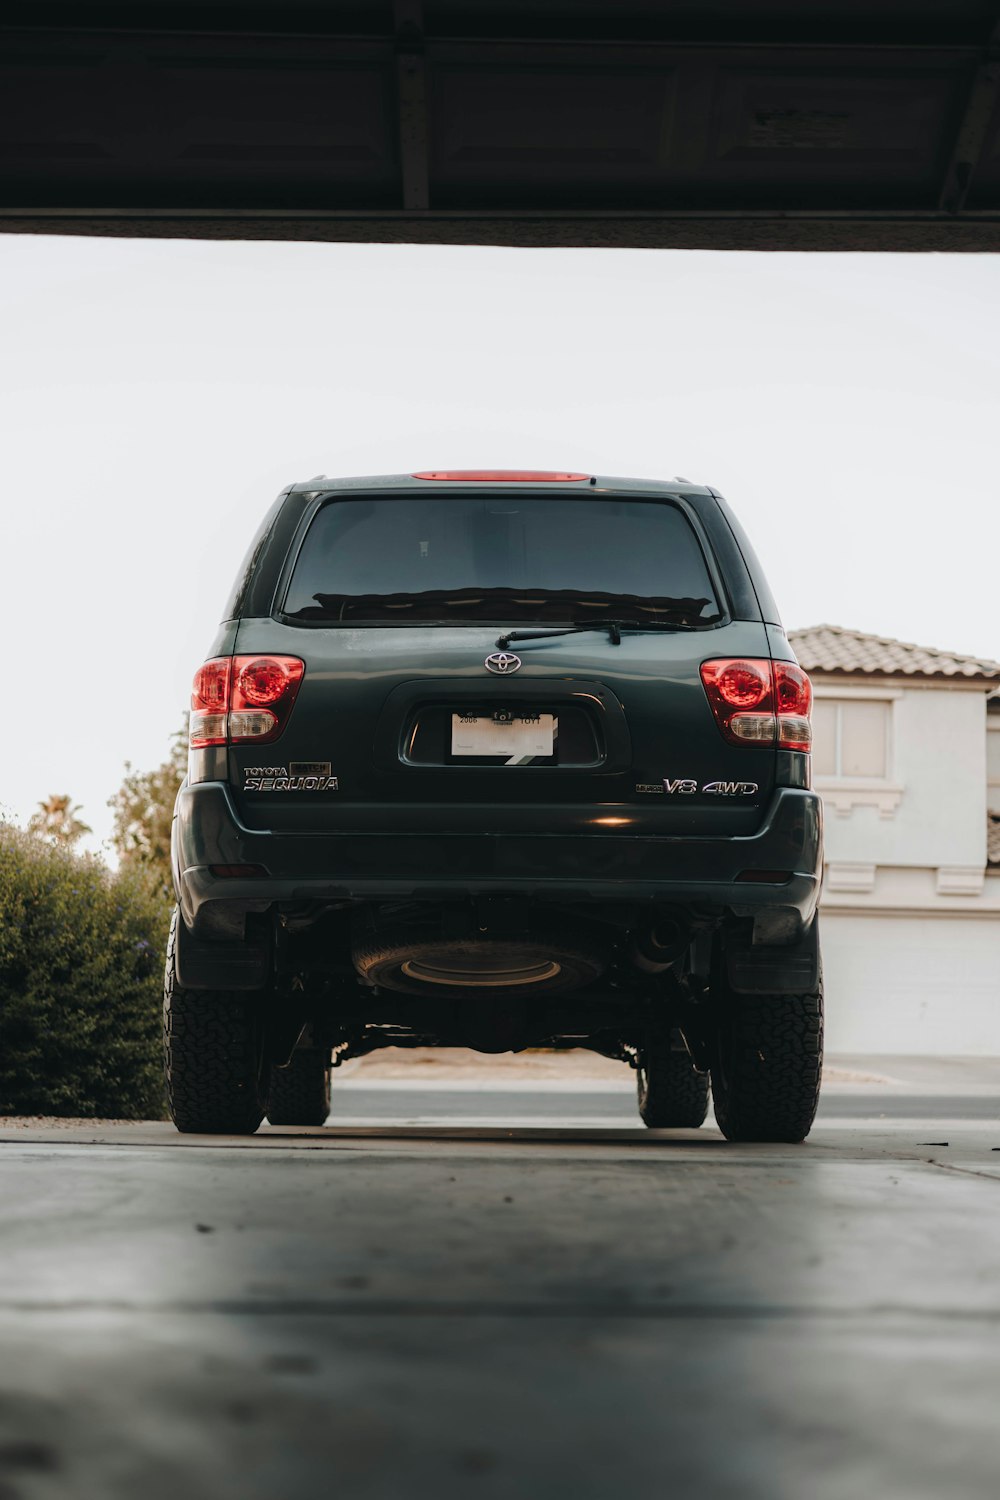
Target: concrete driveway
[[496, 1283]]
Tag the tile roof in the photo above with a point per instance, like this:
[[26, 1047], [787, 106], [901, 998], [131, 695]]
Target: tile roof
[[831, 648], [993, 838]]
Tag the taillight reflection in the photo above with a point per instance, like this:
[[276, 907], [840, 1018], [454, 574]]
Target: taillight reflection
[[760, 702], [243, 699]]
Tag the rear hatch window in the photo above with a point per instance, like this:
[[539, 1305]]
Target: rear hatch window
[[505, 558]]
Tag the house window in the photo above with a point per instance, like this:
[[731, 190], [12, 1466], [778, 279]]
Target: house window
[[851, 738], [853, 749]]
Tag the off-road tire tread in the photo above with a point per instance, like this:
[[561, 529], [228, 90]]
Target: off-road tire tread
[[211, 1056], [676, 1096], [300, 1093], [766, 1085]]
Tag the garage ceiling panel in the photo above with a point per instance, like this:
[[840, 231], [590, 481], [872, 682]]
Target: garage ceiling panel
[[858, 124]]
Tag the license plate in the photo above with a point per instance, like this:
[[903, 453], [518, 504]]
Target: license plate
[[518, 738]]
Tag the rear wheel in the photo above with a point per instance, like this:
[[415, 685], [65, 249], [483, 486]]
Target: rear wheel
[[672, 1095], [213, 1045], [767, 1068], [300, 1093]]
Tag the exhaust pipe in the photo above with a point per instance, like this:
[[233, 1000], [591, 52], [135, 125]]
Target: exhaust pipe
[[660, 947]]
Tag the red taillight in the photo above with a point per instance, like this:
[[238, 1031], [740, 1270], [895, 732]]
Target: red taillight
[[793, 694], [740, 684], [243, 699], [759, 702], [210, 703], [211, 685], [500, 476], [793, 688], [262, 680]]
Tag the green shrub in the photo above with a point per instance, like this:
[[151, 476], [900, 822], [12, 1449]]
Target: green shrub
[[81, 963]]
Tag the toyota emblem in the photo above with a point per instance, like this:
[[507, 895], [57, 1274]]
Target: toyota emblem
[[503, 663]]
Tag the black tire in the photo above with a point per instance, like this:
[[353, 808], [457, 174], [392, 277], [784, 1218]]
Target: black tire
[[300, 1093], [672, 1095], [768, 1065], [213, 1056]]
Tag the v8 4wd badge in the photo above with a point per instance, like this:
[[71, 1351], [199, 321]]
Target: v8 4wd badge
[[684, 786]]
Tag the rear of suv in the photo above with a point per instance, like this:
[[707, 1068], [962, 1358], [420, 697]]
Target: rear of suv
[[498, 760]]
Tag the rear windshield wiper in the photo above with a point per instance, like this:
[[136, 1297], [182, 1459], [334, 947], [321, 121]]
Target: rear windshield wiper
[[613, 627]]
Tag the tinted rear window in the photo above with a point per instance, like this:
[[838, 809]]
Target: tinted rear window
[[500, 558]]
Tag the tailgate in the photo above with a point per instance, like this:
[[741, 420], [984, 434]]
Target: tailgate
[[584, 735]]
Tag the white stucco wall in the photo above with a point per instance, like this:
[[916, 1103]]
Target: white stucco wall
[[912, 984], [910, 918], [938, 760]]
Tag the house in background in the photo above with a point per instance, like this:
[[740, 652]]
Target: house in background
[[993, 779], [907, 758]]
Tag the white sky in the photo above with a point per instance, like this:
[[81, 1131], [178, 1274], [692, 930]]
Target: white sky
[[155, 396]]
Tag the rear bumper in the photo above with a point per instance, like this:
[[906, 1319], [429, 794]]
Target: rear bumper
[[423, 865]]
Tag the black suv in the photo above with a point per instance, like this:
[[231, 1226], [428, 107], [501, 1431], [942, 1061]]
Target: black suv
[[498, 760]]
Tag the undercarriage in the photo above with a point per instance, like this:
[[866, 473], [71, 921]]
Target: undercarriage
[[342, 980]]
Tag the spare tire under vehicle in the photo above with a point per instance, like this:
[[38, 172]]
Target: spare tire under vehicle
[[501, 966]]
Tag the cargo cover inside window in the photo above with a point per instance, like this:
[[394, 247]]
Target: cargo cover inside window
[[504, 558]]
